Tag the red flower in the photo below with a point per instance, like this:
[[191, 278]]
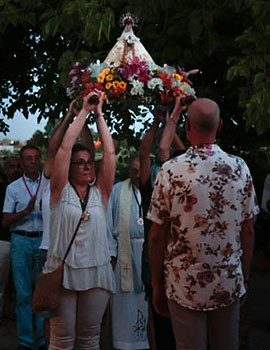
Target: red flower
[[89, 86], [99, 86], [128, 21], [85, 77], [176, 91], [116, 92], [166, 79]]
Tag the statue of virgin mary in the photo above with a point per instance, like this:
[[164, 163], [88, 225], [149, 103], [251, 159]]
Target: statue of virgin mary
[[128, 45]]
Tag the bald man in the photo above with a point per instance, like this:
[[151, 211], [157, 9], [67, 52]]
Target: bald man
[[201, 240]]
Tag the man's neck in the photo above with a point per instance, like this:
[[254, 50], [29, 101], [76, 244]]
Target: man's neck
[[202, 141], [32, 176]]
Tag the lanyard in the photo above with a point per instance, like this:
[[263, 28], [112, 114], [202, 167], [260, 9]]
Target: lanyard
[[28, 187], [83, 202], [139, 205]]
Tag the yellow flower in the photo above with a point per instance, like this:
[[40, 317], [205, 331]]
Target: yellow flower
[[108, 86], [178, 76], [115, 83], [105, 71], [123, 85], [100, 78], [109, 77]]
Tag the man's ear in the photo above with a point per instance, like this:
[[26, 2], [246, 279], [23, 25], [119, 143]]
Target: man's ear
[[220, 125]]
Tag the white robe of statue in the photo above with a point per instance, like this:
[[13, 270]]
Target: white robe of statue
[[128, 46]]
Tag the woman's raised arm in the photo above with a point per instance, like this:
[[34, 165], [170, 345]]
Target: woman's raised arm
[[106, 173], [59, 176]]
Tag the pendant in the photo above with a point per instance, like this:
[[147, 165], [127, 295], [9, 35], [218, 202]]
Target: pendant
[[85, 216], [140, 221]]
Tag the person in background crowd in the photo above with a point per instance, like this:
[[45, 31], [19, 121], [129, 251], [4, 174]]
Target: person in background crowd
[[201, 240], [266, 213], [13, 171], [126, 236], [266, 195], [77, 192], [160, 329], [22, 214]]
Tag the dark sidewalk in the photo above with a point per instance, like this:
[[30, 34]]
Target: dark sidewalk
[[255, 323]]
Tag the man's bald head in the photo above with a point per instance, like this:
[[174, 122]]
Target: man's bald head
[[204, 115]]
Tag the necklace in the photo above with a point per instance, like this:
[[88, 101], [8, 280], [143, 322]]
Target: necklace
[[83, 202]]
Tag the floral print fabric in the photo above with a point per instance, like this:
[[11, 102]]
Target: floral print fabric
[[203, 196]]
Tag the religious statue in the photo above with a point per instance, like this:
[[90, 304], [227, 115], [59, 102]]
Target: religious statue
[[128, 45]]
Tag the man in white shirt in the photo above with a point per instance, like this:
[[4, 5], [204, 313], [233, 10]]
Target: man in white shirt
[[22, 214], [126, 237]]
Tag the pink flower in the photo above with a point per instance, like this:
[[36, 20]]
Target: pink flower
[[133, 67], [73, 72], [123, 71], [143, 76], [76, 69]]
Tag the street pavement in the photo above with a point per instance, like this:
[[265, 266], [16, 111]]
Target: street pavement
[[255, 316]]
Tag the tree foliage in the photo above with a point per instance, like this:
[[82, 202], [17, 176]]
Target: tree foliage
[[227, 40], [252, 66]]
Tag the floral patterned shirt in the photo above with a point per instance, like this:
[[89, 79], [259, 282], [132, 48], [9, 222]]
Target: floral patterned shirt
[[203, 195]]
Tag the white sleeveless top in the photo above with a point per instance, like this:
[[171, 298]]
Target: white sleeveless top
[[88, 262]]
